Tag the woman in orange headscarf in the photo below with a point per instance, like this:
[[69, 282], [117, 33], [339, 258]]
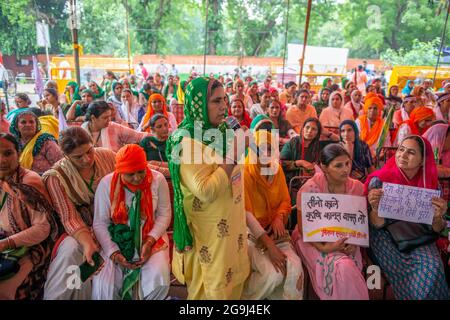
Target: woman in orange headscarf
[[370, 124], [157, 104], [132, 213], [418, 123]]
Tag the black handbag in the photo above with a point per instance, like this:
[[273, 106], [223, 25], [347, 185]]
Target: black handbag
[[9, 266], [410, 235]]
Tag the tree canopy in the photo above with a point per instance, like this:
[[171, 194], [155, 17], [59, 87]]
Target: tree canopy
[[369, 28]]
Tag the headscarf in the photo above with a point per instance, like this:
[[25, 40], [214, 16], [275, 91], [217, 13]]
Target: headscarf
[[76, 95], [180, 91], [259, 120], [151, 112], [100, 93], [274, 194], [43, 134], [246, 121], [371, 134], [321, 104], [425, 178], [325, 81], [344, 83], [436, 136], [197, 96], [442, 97], [336, 93], [129, 159], [407, 90], [392, 97], [417, 115], [353, 103]]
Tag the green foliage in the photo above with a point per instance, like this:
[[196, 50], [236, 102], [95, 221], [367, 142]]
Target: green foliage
[[368, 28], [421, 54]]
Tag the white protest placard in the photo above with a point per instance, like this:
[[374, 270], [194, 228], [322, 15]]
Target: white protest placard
[[329, 217], [407, 203]]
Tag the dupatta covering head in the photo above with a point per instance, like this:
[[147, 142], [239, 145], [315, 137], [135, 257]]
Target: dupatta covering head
[[259, 120], [196, 100], [426, 177], [43, 134], [417, 115], [275, 194], [436, 136], [76, 95], [407, 90], [246, 120], [371, 134], [151, 112], [336, 93], [129, 159]]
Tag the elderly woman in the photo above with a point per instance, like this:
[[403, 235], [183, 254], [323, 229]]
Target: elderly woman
[[404, 113], [413, 267], [72, 183], [442, 109], [27, 227], [334, 267], [370, 124], [418, 123], [177, 110], [132, 213], [157, 104], [38, 145], [277, 274], [362, 163], [355, 105], [105, 133]]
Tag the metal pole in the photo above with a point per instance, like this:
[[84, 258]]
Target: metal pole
[[285, 40], [305, 40], [76, 48], [47, 41], [442, 42], [128, 37], [206, 38]]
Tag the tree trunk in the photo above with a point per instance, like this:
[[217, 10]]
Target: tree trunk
[[213, 15], [263, 37], [156, 25]]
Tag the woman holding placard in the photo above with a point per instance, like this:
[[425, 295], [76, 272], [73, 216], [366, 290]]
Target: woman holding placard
[[334, 267], [406, 251]]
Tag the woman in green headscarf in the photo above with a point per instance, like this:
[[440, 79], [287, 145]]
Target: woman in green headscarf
[[210, 231], [72, 92], [98, 92], [327, 83], [261, 122]]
